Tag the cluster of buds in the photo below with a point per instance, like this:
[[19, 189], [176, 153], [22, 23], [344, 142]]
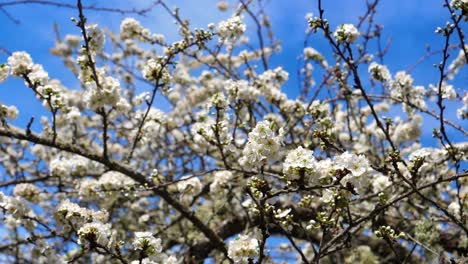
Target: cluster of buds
[[258, 187], [386, 232], [202, 36], [284, 217], [324, 219], [306, 201], [315, 23], [383, 198]]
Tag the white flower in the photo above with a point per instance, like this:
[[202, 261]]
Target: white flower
[[420, 153], [269, 83], [189, 185], [188, 188], [460, 4], [402, 88], [313, 54], [73, 114], [242, 248], [379, 72], [28, 191], [357, 164], [241, 90], [9, 112], [113, 180], [58, 167], [95, 232], [88, 188], [52, 92], [262, 146], [299, 162], [221, 180], [107, 94], [171, 260], [403, 80], [447, 91], [380, 182], [72, 211], [20, 63], [68, 212], [279, 214], [95, 36], [145, 261], [72, 40], [454, 208], [16, 206], [146, 242], [4, 71], [231, 29], [324, 168], [74, 165], [328, 196], [154, 70], [12, 112], [462, 112], [346, 33], [38, 76], [129, 28], [406, 131]]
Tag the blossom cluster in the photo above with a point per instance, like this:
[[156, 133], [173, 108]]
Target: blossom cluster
[[243, 248]]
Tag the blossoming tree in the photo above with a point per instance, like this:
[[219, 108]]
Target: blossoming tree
[[234, 169]]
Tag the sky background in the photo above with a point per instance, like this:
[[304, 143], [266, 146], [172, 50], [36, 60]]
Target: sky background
[[409, 25]]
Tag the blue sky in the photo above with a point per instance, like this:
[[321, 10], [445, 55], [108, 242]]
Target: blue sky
[[409, 24]]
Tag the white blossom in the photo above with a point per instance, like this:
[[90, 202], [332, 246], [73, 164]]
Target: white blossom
[[4, 71], [462, 112], [380, 182], [454, 208], [312, 54], [420, 153], [263, 145], [379, 72], [20, 63], [242, 248], [460, 4], [447, 91], [231, 29], [96, 37], [37, 75], [155, 70], [357, 164], [69, 212], [72, 40], [108, 93], [299, 162], [113, 180], [146, 242], [95, 232], [130, 27], [346, 33], [221, 180], [188, 187], [28, 191], [241, 90], [9, 112]]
